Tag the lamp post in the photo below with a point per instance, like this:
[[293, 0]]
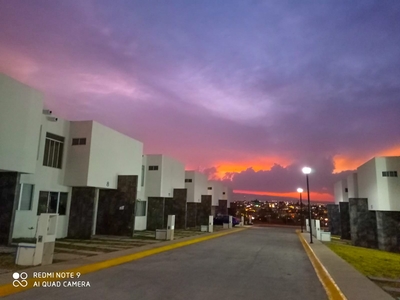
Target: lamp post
[[307, 170], [300, 190]]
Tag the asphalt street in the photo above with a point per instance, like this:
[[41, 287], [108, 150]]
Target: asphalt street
[[258, 263]]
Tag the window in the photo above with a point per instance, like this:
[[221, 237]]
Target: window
[[25, 202], [153, 168], [389, 174], [188, 180], [140, 208], [346, 190], [53, 151], [210, 188], [52, 202], [223, 193], [78, 141], [143, 171]]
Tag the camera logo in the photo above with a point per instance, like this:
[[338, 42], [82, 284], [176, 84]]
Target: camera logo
[[20, 279]]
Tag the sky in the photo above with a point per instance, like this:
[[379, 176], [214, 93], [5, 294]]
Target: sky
[[247, 92]]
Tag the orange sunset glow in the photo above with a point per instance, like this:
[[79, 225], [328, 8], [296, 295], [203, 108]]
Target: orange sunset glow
[[313, 196], [344, 163], [256, 165]]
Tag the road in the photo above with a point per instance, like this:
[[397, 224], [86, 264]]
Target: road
[[258, 263]]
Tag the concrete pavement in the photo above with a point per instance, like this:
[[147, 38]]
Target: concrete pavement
[[259, 263], [351, 283]]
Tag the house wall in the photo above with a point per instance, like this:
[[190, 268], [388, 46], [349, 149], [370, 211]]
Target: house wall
[[197, 187], [388, 187], [383, 193], [20, 120], [340, 191], [367, 183], [77, 169], [154, 178], [228, 195], [216, 192], [44, 179], [169, 176], [352, 185], [112, 154], [173, 176]]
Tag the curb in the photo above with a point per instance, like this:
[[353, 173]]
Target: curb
[[9, 289], [331, 288]]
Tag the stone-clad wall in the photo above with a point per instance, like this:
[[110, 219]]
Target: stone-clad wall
[[222, 208], [176, 206], [334, 218], [191, 219], [115, 214], [345, 220], [204, 210], [8, 195], [362, 224], [388, 227], [155, 213], [81, 212]]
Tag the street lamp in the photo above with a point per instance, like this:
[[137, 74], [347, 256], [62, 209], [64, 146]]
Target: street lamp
[[300, 190], [307, 170]]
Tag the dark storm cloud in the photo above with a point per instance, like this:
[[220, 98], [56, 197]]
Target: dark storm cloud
[[210, 81], [287, 179]]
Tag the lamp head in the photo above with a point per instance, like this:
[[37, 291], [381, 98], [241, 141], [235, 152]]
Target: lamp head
[[300, 190], [306, 170]]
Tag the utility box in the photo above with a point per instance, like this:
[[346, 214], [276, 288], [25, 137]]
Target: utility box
[[313, 227], [45, 239], [25, 254], [42, 252], [210, 223], [318, 229], [170, 227], [161, 234], [325, 236]]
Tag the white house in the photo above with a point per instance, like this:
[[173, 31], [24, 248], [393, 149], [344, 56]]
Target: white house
[[341, 191], [163, 174], [352, 186], [45, 160], [196, 184], [216, 190], [379, 181]]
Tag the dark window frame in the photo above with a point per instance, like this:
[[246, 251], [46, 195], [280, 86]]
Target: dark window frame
[[53, 151], [78, 141]]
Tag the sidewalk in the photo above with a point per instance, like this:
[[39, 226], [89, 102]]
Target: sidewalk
[[352, 283]]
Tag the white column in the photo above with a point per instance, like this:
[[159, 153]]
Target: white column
[[210, 223], [170, 227], [95, 208]]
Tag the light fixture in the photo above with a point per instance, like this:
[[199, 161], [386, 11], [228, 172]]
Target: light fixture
[[307, 170], [300, 190]]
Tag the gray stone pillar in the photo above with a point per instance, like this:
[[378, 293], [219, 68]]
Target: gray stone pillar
[[334, 218], [116, 209], [9, 194], [155, 213], [388, 228], [81, 213], [362, 224], [344, 220], [205, 210]]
